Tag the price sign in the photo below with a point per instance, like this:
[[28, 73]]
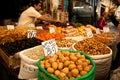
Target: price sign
[[31, 25], [9, 27], [97, 31], [52, 30], [89, 32], [106, 29], [39, 27], [31, 33], [68, 24], [50, 47]]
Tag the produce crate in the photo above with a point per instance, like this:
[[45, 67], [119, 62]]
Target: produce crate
[[44, 75]]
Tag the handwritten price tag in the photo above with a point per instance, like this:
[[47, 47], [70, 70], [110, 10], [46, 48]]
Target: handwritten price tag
[[97, 31], [89, 32], [50, 47], [106, 29], [10, 27], [52, 30], [39, 27], [31, 33]]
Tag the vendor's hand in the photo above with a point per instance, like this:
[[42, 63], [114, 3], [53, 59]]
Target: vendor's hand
[[59, 21]]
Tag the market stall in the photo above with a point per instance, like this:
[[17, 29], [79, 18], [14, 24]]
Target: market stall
[[82, 50], [65, 38]]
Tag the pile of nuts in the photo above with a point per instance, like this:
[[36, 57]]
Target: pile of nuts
[[66, 65], [92, 47]]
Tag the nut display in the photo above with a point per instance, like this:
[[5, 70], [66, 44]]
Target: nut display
[[65, 42], [105, 41], [35, 53], [106, 35], [67, 65], [92, 47]]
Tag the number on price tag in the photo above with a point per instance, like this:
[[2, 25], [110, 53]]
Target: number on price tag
[[89, 32], [31, 33], [50, 47], [52, 30], [10, 27]]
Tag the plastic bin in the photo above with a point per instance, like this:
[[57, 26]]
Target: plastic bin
[[44, 75]]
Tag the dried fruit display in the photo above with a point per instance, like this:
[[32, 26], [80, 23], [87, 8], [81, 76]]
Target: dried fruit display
[[18, 33], [48, 36], [70, 31], [13, 47]]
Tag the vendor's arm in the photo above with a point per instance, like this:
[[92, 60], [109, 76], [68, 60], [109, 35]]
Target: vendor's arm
[[48, 19], [112, 16], [114, 20]]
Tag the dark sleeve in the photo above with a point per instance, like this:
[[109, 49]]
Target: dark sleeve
[[114, 21]]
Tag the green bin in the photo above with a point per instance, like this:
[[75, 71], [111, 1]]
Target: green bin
[[44, 75]]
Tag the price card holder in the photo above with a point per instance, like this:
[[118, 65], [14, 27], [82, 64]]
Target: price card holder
[[97, 31], [106, 29], [50, 47], [31, 33], [89, 32], [10, 27], [52, 30]]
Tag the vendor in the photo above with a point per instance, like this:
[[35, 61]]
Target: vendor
[[30, 15], [102, 21]]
